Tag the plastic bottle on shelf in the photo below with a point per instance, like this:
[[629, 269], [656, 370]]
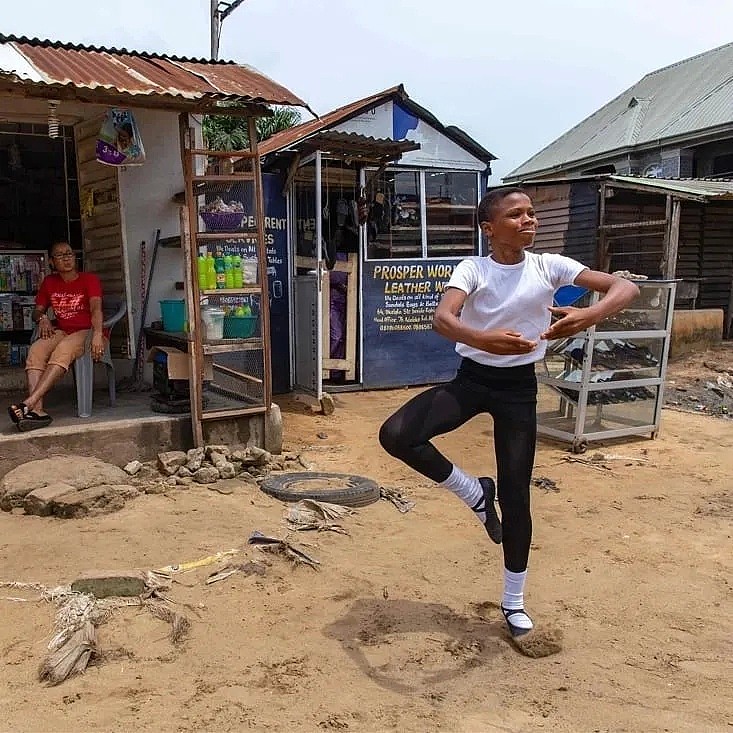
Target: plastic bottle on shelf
[[221, 280], [237, 271], [228, 272], [210, 272], [201, 266]]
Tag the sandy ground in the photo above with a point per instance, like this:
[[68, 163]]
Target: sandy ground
[[397, 631]]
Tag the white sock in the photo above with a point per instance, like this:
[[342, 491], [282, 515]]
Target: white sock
[[514, 598], [467, 488]]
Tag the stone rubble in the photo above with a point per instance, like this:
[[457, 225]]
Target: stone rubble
[[76, 486]]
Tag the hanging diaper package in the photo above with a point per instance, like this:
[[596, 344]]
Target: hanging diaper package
[[119, 141]]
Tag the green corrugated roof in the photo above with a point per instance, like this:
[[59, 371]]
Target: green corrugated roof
[[686, 98]]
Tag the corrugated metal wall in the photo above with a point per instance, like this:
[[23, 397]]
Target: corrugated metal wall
[[568, 219]]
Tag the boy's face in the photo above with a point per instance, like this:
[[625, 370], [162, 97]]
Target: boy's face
[[513, 222]]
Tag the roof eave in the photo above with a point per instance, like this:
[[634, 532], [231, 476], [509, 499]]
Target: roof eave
[[201, 104]]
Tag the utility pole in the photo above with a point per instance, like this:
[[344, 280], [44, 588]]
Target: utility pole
[[220, 10]]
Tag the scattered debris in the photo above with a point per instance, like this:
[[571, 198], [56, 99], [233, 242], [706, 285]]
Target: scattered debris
[[247, 568], [78, 615], [594, 464], [542, 482], [319, 515], [72, 657], [194, 564], [395, 497], [282, 547]]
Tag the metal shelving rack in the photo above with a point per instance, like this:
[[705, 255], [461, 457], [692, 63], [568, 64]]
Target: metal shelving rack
[[608, 382]]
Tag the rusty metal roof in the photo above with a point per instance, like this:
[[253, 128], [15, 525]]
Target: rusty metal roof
[[294, 135], [30, 61]]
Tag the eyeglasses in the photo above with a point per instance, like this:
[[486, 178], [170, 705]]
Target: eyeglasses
[[64, 256]]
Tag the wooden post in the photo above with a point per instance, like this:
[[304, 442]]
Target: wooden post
[[669, 263], [604, 259], [188, 218], [262, 259], [667, 233]]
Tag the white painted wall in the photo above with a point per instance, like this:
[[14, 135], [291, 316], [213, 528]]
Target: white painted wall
[[146, 196], [436, 150]]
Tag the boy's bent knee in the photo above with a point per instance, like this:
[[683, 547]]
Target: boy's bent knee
[[390, 438]]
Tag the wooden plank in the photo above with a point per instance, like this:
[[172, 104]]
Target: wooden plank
[[238, 178], [669, 265], [102, 225], [93, 176], [188, 219], [233, 345], [262, 256], [635, 224], [236, 374], [244, 154], [88, 128], [236, 412]]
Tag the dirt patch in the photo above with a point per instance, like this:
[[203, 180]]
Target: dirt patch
[[399, 629]]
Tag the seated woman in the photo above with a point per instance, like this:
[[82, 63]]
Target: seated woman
[[76, 299]]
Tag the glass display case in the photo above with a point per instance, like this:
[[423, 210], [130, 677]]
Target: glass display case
[[608, 381]]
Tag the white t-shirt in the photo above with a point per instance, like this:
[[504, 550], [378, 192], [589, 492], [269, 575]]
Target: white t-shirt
[[511, 298]]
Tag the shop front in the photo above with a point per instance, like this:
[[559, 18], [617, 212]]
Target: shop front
[[59, 182], [381, 206]]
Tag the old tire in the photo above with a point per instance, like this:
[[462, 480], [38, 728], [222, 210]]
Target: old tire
[[346, 490]]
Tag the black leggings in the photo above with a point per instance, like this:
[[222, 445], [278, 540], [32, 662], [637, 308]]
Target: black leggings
[[509, 395]]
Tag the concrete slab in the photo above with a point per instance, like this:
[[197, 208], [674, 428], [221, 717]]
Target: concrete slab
[[117, 435]]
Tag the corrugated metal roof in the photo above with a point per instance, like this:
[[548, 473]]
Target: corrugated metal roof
[[698, 189], [686, 98], [706, 188], [33, 61], [292, 136], [287, 138]]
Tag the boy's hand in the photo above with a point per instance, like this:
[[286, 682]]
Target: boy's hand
[[506, 342], [571, 321]]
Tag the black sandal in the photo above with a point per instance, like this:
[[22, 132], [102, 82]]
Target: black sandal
[[33, 420], [17, 412], [515, 631]]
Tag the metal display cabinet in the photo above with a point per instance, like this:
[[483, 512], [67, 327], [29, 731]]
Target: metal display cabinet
[[608, 381]]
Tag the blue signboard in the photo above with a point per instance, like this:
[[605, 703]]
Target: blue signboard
[[400, 347], [276, 241]]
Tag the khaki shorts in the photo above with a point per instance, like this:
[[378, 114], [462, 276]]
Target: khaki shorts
[[61, 349]]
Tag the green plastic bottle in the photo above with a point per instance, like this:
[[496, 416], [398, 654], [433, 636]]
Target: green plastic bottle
[[228, 272], [210, 272], [201, 266], [237, 267], [221, 279]]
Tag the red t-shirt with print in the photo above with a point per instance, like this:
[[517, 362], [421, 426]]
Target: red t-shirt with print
[[70, 300]]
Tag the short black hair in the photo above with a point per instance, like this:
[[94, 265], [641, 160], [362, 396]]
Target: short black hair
[[492, 198], [55, 244]]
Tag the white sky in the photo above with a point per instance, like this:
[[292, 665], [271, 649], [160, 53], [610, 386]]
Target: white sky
[[514, 75]]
